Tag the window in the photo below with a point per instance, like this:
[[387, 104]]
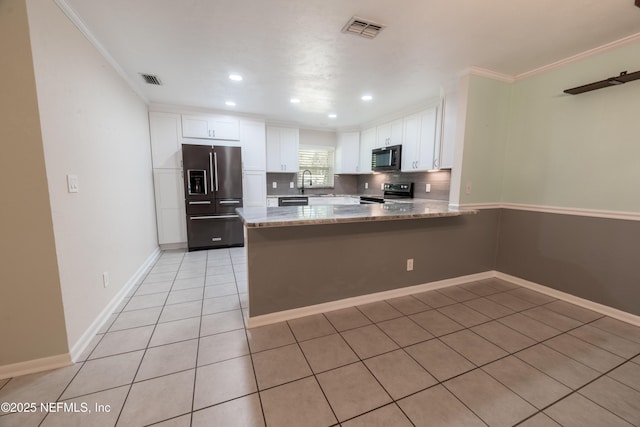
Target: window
[[319, 161]]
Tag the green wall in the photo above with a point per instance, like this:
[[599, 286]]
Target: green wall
[[580, 151], [484, 141], [529, 143]]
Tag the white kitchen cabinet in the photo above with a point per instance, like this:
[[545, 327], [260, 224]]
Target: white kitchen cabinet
[[282, 149], [348, 152], [449, 123], [389, 133], [254, 187], [367, 143], [211, 127], [170, 210], [166, 140], [253, 143], [421, 148]]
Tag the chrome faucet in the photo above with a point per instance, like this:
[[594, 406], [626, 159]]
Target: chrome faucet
[[310, 176]]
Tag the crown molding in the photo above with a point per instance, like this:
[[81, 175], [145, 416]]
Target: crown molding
[[580, 56], [75, 19], [494, 75]]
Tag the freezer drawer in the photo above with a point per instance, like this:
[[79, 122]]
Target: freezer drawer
[[214, 231], [212, 207]]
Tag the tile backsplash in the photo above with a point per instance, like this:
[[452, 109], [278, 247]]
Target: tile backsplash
[[355, 184]]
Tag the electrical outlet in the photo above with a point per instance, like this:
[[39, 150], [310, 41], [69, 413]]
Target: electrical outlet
[[105, 279], [410, 264], [467, 188], [291, 185], [366, 185], [274, 184], [427, 188], [73, 185], [382, 186]]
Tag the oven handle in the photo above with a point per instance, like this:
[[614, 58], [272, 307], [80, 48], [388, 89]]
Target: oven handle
[[214, 217]]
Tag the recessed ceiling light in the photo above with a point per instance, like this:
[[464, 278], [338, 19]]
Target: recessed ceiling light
[[295, 101], [230, 103], [235, 77], [333, 116], [366, 97]]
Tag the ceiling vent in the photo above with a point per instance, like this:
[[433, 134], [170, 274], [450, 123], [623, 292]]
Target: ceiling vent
[[362, 27], [151, 79]]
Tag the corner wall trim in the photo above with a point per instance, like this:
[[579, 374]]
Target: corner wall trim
[[584, 303], [594, 213], [280, 316], [35, 365], [85, 339]]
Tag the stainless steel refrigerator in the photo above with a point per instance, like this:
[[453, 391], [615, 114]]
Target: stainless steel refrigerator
[[213, 191]]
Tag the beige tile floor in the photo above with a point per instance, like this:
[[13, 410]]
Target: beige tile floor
[[176, 353]]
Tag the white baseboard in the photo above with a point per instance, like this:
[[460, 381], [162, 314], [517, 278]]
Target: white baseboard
[[35, 365], [267, 319], [585, 303], [280, 316], [85, 339]]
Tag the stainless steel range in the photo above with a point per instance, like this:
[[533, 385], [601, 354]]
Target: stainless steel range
[[393, 192]]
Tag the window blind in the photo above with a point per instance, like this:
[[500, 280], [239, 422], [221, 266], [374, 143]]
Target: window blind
[[319, 161]]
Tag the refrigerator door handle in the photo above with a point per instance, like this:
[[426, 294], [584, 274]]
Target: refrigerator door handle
[[214, 217], [229, 202], [215, 157], [211, 171], [207, 202]]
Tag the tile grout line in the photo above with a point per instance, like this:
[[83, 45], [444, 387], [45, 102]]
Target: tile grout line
[[124, 402]]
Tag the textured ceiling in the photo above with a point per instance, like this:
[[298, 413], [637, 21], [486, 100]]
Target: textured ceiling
[[295, 48]]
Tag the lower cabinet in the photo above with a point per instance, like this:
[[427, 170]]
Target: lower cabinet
[[255, 188], [210, 231], [170, 210]]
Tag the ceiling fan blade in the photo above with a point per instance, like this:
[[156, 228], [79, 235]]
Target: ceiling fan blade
[[629, 77], [589, 87], [624, 77]]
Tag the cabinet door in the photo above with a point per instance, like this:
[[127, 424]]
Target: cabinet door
[[410, 143], [195, 127], [348, 152], [367, 143], [224, 127], [427, 149], [389, 133], [166, 139], [289, 144], [448, 137], [252, 141], [273, 150], [170, 208], [255, 189]]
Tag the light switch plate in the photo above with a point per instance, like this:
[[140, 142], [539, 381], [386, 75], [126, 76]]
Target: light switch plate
[[382, 186], [291, 185], [73, 185], [366, 185], [427, 188], [274, 184]]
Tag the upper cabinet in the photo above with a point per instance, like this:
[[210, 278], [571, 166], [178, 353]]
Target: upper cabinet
[[166, 140], [348, 152], [421, 144], [211, 127], [252, 141], [282, 149], [389, 134], [367, 143]]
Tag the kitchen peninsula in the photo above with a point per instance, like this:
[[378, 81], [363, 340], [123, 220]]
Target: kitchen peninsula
[[308, 255]]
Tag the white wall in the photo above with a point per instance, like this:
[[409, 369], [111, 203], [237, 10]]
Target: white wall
[[318, 137], [93, 126]]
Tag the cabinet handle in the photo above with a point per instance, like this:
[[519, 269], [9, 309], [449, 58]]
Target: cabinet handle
[[435, 163], [213, 133]]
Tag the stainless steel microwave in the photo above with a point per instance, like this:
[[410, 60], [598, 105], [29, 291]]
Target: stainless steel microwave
[[386, 158]]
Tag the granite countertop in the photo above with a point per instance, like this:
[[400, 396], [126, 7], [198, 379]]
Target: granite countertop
[[332, 214]]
